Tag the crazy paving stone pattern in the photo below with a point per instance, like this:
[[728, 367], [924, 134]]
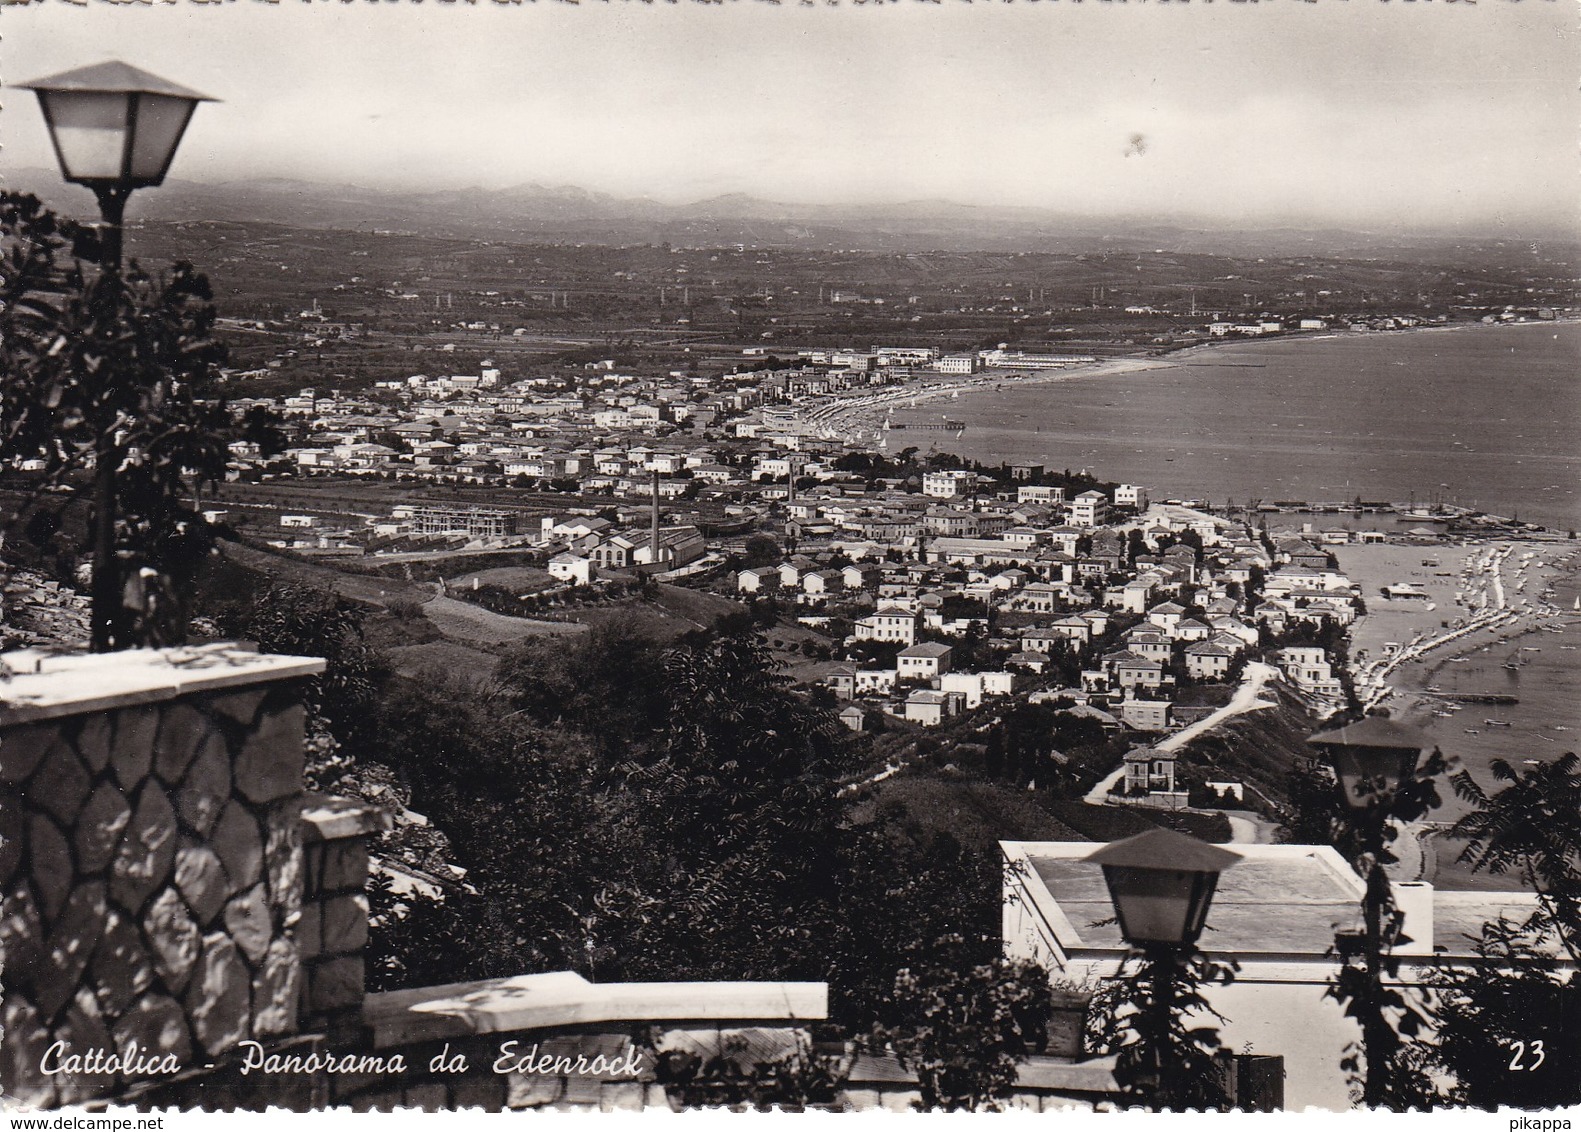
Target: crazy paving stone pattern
[[150, 861]]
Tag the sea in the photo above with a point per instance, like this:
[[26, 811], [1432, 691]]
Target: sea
[[1483, 416]]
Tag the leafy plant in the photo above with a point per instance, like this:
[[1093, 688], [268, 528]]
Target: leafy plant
[[109, 378], [1506, 1025], [964, 1028], [1143, 1017], [1533, 827]]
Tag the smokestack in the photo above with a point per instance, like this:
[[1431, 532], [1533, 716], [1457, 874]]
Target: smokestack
[[653, 542]]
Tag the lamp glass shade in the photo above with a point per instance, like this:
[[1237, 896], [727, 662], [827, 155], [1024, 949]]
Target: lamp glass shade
[[125, 138], [89, 129], [1369, 774], [161, 120], [1160, 905]]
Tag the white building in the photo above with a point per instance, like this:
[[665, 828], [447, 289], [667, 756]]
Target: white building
[[951, 484], [1089, 509], [924, 661], [574, 569], [1275, 912], [890, 623], [1130, 495]]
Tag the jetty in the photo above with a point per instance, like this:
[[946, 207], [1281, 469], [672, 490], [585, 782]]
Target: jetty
[[930, 426], [1481, 697]]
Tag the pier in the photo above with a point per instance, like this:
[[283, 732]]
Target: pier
[[930, 426], [1480, 697]]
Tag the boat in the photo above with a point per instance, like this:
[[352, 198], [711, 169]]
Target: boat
[[1472, 731], [1530, 648], [1443, 714], [1498, 723], [1513, 666], [1457, 660], [1560, 727]]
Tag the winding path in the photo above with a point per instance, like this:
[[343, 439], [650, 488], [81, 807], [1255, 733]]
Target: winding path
[[1245, 699]]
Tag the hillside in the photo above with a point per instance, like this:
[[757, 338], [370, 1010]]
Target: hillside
[[1259, 748]]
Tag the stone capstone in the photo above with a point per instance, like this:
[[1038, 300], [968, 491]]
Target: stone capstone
[[173, 938], [201, 880], [217, 999], [99, 827], [142, 863]]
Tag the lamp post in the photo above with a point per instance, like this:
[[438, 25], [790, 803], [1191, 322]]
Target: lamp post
[[115, 128], [1161, 884], [1374, 762]]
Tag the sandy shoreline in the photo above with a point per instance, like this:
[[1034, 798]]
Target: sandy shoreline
[[860, 419], [1478, 593]]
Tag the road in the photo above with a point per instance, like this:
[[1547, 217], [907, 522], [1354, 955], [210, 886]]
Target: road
[[1245, 699]]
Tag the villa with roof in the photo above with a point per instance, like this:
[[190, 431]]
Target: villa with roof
[[1276, 912]]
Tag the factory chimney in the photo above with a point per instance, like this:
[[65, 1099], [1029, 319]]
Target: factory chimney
[[653, 539]]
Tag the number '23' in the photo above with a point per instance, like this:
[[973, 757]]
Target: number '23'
[[1539, 1055]]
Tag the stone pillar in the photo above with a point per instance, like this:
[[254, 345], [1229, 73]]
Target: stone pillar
[[150, 860], [333, 930]]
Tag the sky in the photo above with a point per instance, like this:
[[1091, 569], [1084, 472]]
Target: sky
[[1361, 113]]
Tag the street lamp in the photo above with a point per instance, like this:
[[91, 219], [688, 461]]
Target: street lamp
[[1161, 884], [1371, 758], [1375, 763], [115, 128]]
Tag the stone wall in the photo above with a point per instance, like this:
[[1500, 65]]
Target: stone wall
[[150, 861], [333, 931]]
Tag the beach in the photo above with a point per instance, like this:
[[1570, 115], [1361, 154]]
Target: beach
[[1497, 621], [860, 419]]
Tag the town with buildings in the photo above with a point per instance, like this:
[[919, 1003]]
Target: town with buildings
[[562, 585], [924, 588]]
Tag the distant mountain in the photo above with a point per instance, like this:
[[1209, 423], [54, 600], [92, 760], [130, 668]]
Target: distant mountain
[[567, 214]]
